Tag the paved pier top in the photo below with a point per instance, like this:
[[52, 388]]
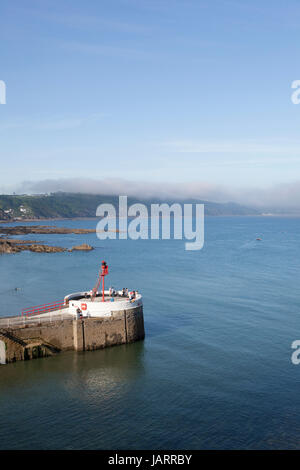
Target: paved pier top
[[75, 303]]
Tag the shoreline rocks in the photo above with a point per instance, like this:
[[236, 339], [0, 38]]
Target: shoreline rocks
[[43, 229], [6, 247], [11, 246]]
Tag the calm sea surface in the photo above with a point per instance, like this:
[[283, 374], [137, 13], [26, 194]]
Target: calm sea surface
[[215, 368]]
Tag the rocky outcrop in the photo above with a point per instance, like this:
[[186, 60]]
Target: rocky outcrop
[[11, 246], [6, 247], [41, 229], [83, 247], [38, 248]]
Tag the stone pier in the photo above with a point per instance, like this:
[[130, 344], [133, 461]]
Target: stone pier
[[22, 342]]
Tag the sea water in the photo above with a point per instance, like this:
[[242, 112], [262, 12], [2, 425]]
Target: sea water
[[214, 371]]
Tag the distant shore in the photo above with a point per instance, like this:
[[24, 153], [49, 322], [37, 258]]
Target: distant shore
[[12, 221], [58, 219]]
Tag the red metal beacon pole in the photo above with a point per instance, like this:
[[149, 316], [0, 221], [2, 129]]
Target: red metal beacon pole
[[102, 274]]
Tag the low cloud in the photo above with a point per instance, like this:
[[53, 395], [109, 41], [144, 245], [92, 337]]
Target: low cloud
[[285, 197]]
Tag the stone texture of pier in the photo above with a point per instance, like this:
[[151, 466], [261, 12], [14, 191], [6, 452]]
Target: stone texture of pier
[[24, 342]]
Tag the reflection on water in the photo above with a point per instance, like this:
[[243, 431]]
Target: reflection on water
[[45, 396], [103, 372], [106, 374]]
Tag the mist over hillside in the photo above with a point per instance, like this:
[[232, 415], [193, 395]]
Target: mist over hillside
[[72, 205], [276, 198]]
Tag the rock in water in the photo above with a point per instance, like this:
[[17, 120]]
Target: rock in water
[[83, 247], [45, 249], [14, 246], [8, 248]]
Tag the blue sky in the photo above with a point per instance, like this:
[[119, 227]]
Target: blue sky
[[159, 91]]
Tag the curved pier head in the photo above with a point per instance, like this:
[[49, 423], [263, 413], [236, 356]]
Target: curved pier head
[[81, 302], [121, 327], [99, 325]]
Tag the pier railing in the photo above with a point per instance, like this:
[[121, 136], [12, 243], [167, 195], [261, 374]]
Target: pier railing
[[45, 308], [10, 322]]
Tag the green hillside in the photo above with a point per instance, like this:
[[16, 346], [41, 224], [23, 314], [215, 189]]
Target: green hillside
[[69, 205]]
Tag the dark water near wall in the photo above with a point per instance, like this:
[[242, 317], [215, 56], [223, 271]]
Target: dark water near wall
[[214, 370]]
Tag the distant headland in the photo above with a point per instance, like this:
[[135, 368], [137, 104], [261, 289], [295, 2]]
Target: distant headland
[[16, 208]]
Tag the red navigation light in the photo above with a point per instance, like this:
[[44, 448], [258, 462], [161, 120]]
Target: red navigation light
[[104, 268]]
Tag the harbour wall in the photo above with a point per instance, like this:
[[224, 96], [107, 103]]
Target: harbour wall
[[24, 342]]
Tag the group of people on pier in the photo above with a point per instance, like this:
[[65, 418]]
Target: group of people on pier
[[124, 293]]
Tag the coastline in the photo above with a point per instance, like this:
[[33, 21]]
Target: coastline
[[58, 219]]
